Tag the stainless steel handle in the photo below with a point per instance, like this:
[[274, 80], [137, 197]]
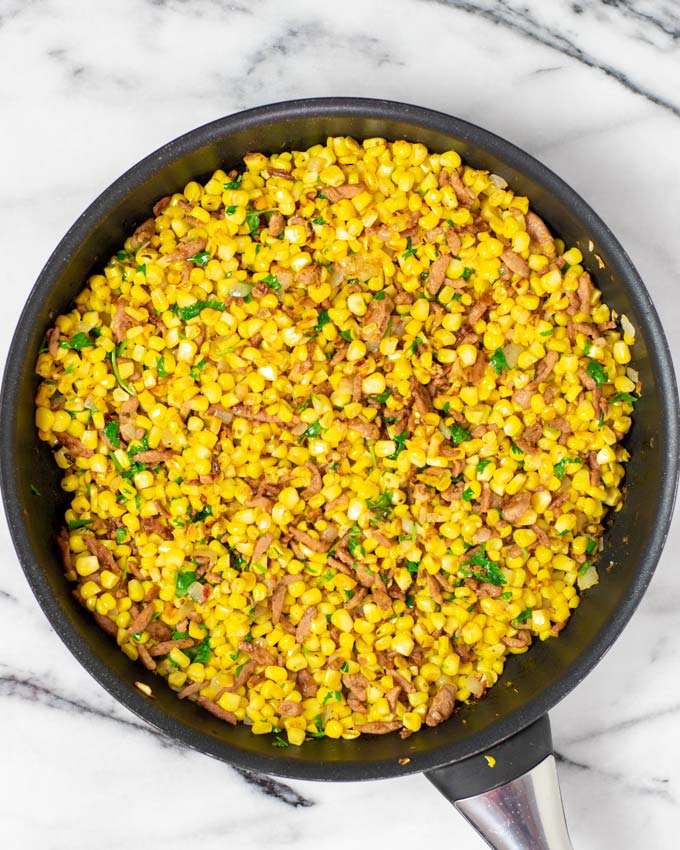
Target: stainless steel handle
[[524, 814]]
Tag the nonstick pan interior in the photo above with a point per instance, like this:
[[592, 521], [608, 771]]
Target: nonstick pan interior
[[632, 544]]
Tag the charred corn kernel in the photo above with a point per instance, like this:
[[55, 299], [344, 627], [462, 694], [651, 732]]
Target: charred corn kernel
[[281, 422]]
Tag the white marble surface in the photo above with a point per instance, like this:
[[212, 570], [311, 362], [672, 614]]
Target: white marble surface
[[590, 87]]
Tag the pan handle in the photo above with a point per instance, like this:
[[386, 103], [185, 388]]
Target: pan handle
[[510, 794]]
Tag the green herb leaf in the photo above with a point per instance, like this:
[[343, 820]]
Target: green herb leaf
[[381, 398], [111, 433], [346, 335], [546, 333], [234, 184], [160, 367], [459, 435], [382, 507], [253, 221], [412, 567], [520, 618], [201, 259], [591, 545], [416, 342], [195, 370], [193, 310], [323, 320], [587, 345], [410, 250], [279, 742], [585, 566], [498, 361], [35, 490], [202, 515], [629, 398], [597, 372], [77, 343], [311, 431], [73, 524], [120, 536], [272, 282], [467, 494], [230, 210], [482, 465], [354, 537], [130, 390], [516, 450], [560, 466], [400, 441], [506, 595], [491, 572], [345, 667], [183, 582], [466, 274], [318, 221], [334, 467]]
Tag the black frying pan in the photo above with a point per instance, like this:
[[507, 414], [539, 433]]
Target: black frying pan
[[510, 724]]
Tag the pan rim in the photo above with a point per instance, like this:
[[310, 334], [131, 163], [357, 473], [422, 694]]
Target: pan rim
[[281, 764]]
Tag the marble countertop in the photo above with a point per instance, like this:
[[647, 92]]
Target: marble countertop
[[592, 88]]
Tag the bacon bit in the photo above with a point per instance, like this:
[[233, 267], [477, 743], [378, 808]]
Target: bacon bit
[[190, 690], [435, 590], [186, 250], [143, 234], [382, 539], [465, 197], [421, 397], [277, 172], [442, 705], [546, 366], [168, 645], [559, 499], [359, 595], [523, 397], [380, 727], [485, 498], [368, 430], [142, 620], [452, 240], [306, 684], [307, 540], [145, 657], [316, 484], [244, 674], [538, 231], [347, 190], [523, 638], [356, 684], [588, 382], [261, 545], [161, 204], [542, 537], [106, 624], [594, 469], [279, 595], [53, 341], [434, 234], [365, 577], [289, 708], [556, 628], [515, 263], [276, 224], [159, 631], [152, 593], [584, 291], [375, 321], [154, 456], [309, 276], [516, 506], [215, 709], [587, 330], [392, 697], [103, 554], [479, 308], [258, 653], [246, 413], [437, 274], [73, 445], [304, 625], [489, 591]]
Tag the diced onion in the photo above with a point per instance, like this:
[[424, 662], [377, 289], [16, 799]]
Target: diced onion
[[475, 687], [498, 181], [627, 326], [240, 290], [588, 579], [512, 351], [195, 591]]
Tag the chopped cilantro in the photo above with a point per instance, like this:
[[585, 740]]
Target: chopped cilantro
[[467, 494], [466, 273], [356, 550], [410, 250], [459, 435], [323, 320], [183, 582], [400, 442], [506, 595], [120, 535], [311, 431], [345, 667], [253, 221], [498, 361], [591, 545], [318, 220], [520, 618], [201, 259], [230, 210], [416, 342], [381, 398], [516, 450], [491, 572], [412, 567], [272, 282], [336, 695], [195, 370], [629, 398], [73, 524], [382, 507], [346, 335], [160, 367], [560, 466], [482, 465], [202, 515], [546, 333], [446, 409], [585, 566], [234, 184], [279, 742], [597, 372], [587, 345], [334, 467], [111, 433], [193, 310], [141, 269], [77, 343]]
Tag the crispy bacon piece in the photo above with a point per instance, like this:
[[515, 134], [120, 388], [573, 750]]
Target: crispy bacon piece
[[347, 190], [73, 445], [380, 727], [442, 705], [143, 234]]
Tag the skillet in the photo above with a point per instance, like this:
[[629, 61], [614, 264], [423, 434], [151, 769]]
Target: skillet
[[493, 759]]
